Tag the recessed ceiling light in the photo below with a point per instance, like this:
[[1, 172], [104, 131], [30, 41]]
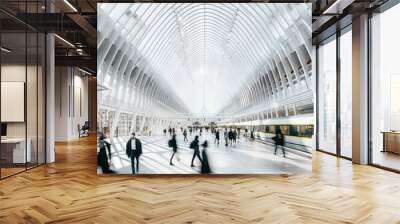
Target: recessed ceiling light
[[5, 50], [70, 5], [84, 71], [64, 40], [337, 7]]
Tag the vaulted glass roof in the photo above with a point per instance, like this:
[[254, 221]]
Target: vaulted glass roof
[[213, 58]]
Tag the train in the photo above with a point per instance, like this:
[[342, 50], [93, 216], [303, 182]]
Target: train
[[298, 130]]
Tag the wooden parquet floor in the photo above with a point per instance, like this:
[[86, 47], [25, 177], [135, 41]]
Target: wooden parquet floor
[[70, 191]]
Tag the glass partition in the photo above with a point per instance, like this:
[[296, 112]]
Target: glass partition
[[22, 91], [31, 98], [14, 145]]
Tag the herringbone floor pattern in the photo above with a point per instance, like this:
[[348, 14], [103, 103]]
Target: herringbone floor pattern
[[70, 191]]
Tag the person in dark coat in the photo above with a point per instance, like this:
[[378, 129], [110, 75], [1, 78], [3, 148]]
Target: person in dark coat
[[216, 141], [185, 139], [102, 159], [234, 135], [230, 136], [205, 166], [252, 135], [279, 141], [108, 145], [165, 132], [226, 137], [172, 143], [195, 146], [134, 151]]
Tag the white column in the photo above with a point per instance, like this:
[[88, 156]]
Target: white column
[[50, 99], [133, 124], [142, 125], [115, 124]]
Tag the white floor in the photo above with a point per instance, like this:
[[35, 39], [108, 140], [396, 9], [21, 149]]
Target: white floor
[[244, 157], [386, 159]]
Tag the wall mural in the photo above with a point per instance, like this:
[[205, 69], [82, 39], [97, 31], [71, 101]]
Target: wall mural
[[204, 88]]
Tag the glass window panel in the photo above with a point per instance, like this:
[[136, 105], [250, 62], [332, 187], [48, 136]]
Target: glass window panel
[[385, 89], [346, 94], [327, 97]]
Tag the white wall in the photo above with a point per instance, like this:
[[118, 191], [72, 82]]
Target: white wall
[[61, 103], [71, 102]]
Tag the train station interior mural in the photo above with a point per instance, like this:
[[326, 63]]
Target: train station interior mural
[[206, 88]]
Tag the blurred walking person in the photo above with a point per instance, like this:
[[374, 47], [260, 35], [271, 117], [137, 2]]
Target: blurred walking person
[[230, 136], [279, 141], [205, 166], [172, 143], [216, 141], [195, 146], [102, 159], [185, 139], [226, 137], [252, 137]]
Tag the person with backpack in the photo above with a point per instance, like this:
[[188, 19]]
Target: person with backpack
[[195, 146], [134, 151], [172, 144]]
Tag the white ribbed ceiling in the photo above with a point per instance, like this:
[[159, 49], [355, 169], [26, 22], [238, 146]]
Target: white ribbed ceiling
[[203, 56]]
